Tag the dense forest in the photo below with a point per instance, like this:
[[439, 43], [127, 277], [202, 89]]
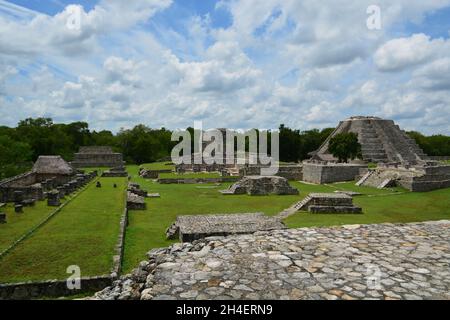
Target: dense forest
[[20, 146]]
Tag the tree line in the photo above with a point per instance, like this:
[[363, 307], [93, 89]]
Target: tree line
[[22, 145]]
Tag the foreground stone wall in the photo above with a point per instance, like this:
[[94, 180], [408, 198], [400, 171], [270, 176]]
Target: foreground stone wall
[[330, 173], [52, 288], [382, 261]]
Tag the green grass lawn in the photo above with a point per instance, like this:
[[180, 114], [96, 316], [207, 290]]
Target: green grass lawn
[[147, 228], [19, 224], [84, 233], [200, 175], [159, 166]]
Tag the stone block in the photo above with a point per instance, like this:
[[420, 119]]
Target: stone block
[[18, 208], [53, 199]]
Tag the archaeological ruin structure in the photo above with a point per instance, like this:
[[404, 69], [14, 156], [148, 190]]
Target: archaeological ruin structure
[[400, 161], [381, 141], [95, 156], [261, 186], [191, 228], [328, 203], [47, 173]]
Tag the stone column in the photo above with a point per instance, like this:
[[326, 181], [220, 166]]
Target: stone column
[[67, 189], [62, 192], [53, 199]]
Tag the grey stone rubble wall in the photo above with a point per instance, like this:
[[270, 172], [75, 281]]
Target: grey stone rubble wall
[[51, 288], [330, 173], [335, 263], [120, 247]]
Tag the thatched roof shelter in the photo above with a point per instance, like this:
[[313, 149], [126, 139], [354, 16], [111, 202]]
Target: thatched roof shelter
[[52, 165]]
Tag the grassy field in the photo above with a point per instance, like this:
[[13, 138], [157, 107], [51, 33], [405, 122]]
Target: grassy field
[[159, 166], [84, 233], [147, 228], [18, 224], [200, 175]]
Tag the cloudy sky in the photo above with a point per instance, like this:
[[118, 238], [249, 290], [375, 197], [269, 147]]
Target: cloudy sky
[[229, 63]]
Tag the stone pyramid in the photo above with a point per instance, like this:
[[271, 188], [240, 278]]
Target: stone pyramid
[[381, 141]]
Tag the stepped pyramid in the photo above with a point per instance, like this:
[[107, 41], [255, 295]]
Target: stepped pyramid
[[381, 141]]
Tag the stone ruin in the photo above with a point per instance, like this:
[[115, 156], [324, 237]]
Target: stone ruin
[[261, 186], [97, 156], [117, 172], [417, 178], [321, 172], [400, 160], [136, 197], [152, 174], [135, 202], [47, 173], [328, 203], [136, 189], [191, 228], [381, 141]]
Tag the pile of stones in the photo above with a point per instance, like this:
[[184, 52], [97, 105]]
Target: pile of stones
[[382, 261], [135, 202], [261, 186], [136, 189]]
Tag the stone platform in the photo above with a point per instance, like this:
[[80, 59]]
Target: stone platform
[[330, 203], [384, 261], [261, 186], [190, 228]]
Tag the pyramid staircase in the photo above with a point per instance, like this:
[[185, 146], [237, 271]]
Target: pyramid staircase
[[372, 147], [298, 206]]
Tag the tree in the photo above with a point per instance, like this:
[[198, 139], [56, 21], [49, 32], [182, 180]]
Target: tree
[[15, 157], [345, 146]]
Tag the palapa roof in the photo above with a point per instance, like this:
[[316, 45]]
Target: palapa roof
[[52, 165]]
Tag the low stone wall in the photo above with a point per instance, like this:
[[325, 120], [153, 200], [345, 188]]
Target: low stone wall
[[120, 247], [197, 180], [51, 288], [330, 173], [152, 174]]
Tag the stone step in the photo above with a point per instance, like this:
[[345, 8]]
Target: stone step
[[364, 178]]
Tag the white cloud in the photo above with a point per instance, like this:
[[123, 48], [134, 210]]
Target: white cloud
[[302, 63], [399, 54]]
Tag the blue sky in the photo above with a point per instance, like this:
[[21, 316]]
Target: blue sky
[[229, 63]]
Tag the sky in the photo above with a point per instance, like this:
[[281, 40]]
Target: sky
[[229, 63]]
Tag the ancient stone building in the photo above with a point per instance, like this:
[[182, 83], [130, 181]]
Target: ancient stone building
[[381, 141], [320, 172], [48, 172], [97, 157]]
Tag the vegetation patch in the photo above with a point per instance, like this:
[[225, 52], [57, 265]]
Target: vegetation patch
[[84, 233], [159, 166], [200, 175]]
